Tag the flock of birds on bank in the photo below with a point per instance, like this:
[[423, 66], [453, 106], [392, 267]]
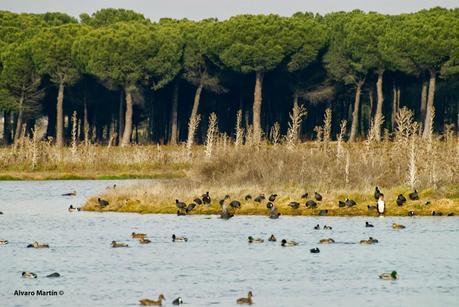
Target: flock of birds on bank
[[228, 207], [205, 199]]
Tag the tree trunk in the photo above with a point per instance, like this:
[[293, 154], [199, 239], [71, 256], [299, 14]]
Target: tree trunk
[[128, 120], [60, 116], [257, 100], [7, 127], [85, 122], [120, 118], [423, 101], [394, 104], [355, 113], [174, 115], [379, 105], [371, 98], [19, 120], [194, 112], [430, 104]]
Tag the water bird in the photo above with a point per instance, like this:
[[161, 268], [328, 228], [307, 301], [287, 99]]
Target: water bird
[[206, 198], [248, 197], [29, 275], [411, 213], [314, 250], [235, 204], [272, 197], [180, 205], [3, 242], [177, 301], [285, 243], [38, 245], [111, 187], [198, 201], [368, 225], [350, 202], [245, 300], [138, 235], [1, 212], [270, 205], [381, 205], [144, 241], [369, 241], [400, 200], [274, 214], [377, 193], [323, 212], [398, 226], [74, 193], [341, 204], [414, 195], [149, 302], [327, 241], [53, 275], [305, 195], [327, 227], [255, 240], [372, 207], [179, 239], [436, 213], [190, 207], [317, 196], [389, 276], [272, 238], [451, 214], [225, 214], [118, 244], [317, 227], [73, 209], [311, 204], [294, 205], [179, 213], [260, 198], [102, 202]]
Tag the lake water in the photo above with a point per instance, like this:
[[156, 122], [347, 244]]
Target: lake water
[[216, 265]]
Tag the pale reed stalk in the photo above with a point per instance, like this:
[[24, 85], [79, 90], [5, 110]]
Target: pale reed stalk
[[212, 130], [192, 127], [239, 129], [296, 117], [275, 134]]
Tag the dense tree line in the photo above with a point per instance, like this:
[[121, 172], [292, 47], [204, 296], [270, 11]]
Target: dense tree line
[[132, 80]]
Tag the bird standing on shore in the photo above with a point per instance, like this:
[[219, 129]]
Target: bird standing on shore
[[317, 196], [400, 200], [294, 205], [206, 198], [260, 198], [180, 205], [377, 193], [272, 197], [381, 205], [102, 202], [311, 204], [414, 195]]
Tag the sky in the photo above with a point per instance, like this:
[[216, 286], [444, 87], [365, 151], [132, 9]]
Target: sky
[[222, 9]]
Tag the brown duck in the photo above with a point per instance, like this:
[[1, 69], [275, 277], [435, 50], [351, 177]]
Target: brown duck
[[149, 302], [245, 300]]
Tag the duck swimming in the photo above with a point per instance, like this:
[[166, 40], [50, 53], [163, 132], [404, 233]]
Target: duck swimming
[[177, 301], [37, 245], [317, 227], [255, 240], [245, 300], [138, 235], [369, 241], [118, 244], [54, 275], [327, 227], [368, 225], [327, 241], [29, 275], [272, 238], [144, 241], [314, 250], [3, 242], [323, 212], [73, 209], [398, 226], [294, 205], [74, 193], [149, 302], [389, 276], [179, 239], [285, 243]]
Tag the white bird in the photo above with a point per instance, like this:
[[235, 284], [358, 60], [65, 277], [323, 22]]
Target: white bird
[[381, 205]]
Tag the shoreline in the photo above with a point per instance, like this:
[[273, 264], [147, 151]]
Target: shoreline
[[58, 175]]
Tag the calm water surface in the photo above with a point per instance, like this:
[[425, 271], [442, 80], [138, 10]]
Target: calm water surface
[[216, 265]]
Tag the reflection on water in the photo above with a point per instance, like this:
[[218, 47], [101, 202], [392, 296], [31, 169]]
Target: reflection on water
[[216, 265]]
